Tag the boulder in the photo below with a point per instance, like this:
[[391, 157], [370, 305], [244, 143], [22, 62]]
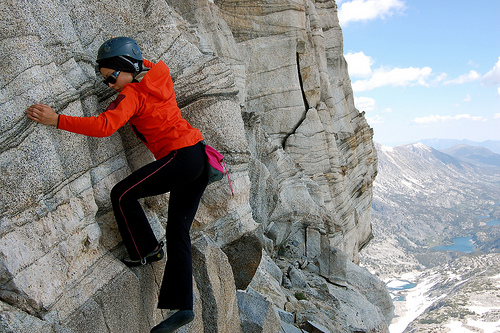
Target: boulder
[[257, 314], [212, 270]]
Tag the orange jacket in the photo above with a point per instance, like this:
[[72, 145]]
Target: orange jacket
[[150, 108]]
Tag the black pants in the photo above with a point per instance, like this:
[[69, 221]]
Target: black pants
[[182, 173]]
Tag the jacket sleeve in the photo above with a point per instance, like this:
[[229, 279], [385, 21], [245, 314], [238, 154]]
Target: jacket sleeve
[[116, 115]]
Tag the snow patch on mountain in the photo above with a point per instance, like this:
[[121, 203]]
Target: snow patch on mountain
[[416, 302]]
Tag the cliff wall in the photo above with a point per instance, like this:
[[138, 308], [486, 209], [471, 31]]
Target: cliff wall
[[267, 84]]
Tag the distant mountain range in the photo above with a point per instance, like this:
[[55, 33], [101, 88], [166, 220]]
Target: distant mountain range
[[474, 155], [440, 144], [423, 197]]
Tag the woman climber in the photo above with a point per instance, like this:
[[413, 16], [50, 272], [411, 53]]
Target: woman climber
[[151, 109]]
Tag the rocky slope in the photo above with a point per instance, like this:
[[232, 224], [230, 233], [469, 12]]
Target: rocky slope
[[423, 198], [464, 296], [267, 84]]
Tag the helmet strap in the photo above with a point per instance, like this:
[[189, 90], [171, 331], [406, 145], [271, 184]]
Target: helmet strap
[[135, 64]]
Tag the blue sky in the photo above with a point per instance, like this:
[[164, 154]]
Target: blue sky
[[425, 69]]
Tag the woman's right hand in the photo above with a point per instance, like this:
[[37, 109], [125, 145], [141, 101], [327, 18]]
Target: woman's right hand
[[42, 114]]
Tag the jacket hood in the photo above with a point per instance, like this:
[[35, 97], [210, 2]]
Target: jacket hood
[[157, 81]]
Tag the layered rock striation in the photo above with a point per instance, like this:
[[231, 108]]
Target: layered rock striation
[[267, 84]]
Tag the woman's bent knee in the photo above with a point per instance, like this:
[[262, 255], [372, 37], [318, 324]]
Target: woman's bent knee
[[116, 193]]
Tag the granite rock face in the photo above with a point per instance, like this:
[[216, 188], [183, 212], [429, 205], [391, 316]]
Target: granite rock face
[[267, 84]]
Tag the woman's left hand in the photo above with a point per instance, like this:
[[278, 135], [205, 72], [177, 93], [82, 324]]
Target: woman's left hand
[[43, 114]]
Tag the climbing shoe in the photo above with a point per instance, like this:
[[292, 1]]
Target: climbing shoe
[[175, 321], [156, 255]]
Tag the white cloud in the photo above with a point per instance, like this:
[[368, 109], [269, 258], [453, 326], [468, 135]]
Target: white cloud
[[472, 64], [362, 10], [394, 77], [438, 119], [364, 103], [441, 77], [375, 120], [496, 116], [492, 78], [359, 64], [464, 78], [467, 98]]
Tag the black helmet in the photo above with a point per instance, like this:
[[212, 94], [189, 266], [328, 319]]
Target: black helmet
[[119, 46]]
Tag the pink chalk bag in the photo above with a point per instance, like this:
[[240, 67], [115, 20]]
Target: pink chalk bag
[[216, 167]]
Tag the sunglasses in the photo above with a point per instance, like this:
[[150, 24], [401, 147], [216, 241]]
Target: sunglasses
[[111, 79]]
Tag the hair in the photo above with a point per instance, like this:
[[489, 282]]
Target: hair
[[121, 63]]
